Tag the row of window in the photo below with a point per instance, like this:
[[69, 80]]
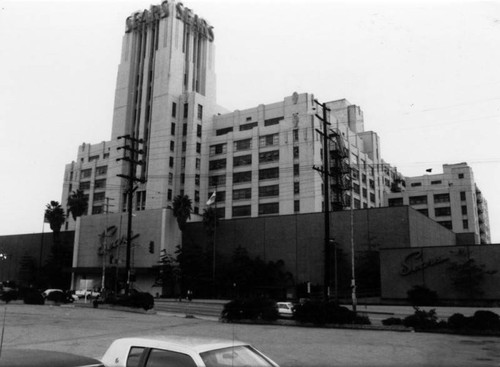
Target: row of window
[[186, 111], [99, 171], [95, 157], [250, 126], [98, 184]]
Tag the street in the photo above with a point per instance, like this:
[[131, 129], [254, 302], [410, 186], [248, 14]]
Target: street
[[89, 332]]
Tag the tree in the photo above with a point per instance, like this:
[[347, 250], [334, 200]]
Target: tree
[[77, 204], [54, 214], [182, 207]]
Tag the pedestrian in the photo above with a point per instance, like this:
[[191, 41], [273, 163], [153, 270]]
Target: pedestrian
[[189, 295]]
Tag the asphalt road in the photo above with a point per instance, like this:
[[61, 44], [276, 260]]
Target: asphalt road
[[89, 332]]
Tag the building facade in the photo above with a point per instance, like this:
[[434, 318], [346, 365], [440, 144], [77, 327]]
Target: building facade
[[451, 198]]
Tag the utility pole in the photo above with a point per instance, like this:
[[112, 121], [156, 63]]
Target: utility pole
[[132, 148], [325, 170], [105, 248]]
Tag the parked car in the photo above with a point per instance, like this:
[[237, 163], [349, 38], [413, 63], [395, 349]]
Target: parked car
[[89, 293], [285, 309], [183, 351], [44, 358], [59, 295]]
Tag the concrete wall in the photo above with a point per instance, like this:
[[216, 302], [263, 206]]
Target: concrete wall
[[401, 269], [298, 240], [37, 246]]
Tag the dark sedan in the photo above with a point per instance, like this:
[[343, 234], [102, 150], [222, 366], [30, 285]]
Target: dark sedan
[[44, 358]]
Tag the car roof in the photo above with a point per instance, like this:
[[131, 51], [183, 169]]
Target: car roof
[[44, 358], [179, 343]]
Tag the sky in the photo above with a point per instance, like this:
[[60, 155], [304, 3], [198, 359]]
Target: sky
[[426, 75]]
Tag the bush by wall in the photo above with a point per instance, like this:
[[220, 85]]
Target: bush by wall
[[321, 313], [481, 320], [422, 296], [250, 309]]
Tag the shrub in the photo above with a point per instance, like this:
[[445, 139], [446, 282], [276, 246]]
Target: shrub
[[321, 313], [250, 309], [392, 321], [485, 320], [458, 321], [10, 295], [32, 297], [422, 296], [421, 320]]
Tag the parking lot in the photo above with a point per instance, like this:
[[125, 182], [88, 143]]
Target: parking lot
[[89, 332]]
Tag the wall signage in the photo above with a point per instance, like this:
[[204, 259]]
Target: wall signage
[[157, 12], [414, 262]]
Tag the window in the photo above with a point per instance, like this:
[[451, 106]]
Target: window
[[105, 156], [462, 196], [242, 160], [97, 209], [357, 204], [296, 170], [141, 200], [442, 212], [464, 209], [172, 146], [371, 184], [295, 152], [184, 129], [266, 191], [183, 146], [295, 134], [416, 200], [174, 109], [442, 198], [271, 156], [416, 184], [217, 180], [183, 178], [93, 158], [269, 173], [101, 170], [396, 202], [296, 187], [423, 211], [85, 185], [239, 177], [100, 184], [268, 140], [218, 149], [296, 206], [249, 126], [365, 193], [273, 121], [465, 224], [217, 164], [372, 197], [99, 196], [446, 224], [198, 131], [197, 179], [461, 175], [355, 188], [242, 211], [225, 131], [242, 194], [197, 196], [169, 194], [198, 147], [186, 109], [269, 208], [170, 178], [200, 112], [437, 182], [183, 162], [171, 162], [86, 173], [134, 356], [355, 174], [243, 144], [198, 163], [172, 128], [161, 357]]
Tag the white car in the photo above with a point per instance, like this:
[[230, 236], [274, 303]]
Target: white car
[[285, 309], [89, 293], [183, 351]]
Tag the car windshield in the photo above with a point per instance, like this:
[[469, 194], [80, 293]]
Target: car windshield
[[235, 356]]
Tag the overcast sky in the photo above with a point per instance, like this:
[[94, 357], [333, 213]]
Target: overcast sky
[[426, 75]]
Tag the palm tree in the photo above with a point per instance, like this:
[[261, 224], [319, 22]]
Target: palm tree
[[182, 207], [54, 214], [77, 204]]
